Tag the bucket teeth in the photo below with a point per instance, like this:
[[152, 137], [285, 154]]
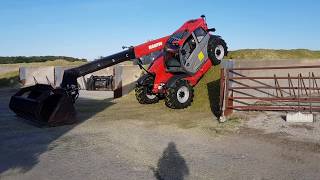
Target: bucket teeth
[[44, 105]]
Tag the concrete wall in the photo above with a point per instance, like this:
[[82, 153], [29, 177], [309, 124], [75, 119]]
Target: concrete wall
[[125, 76], [130, 74], [125, 79], [81, 80], [270, 73], [32, 75]]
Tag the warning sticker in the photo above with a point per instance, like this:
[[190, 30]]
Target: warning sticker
[[200, 56]]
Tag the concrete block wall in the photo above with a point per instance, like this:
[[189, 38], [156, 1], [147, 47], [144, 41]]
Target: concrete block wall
[[125, 79], [125, 76], [130, 74], [32, 75], [81, 80]]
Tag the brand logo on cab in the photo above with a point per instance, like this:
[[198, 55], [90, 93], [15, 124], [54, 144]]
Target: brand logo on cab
[[152, 46]]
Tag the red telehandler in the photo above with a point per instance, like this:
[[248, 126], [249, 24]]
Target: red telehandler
[[183, 58]]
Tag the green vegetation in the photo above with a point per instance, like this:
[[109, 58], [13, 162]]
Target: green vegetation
[[24, 59], [58, 62], [207, 91], [9, 79], [272, 54]]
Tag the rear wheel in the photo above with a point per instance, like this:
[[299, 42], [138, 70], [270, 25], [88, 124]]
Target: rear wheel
[[144, 93], [180, 96], [217, 50]]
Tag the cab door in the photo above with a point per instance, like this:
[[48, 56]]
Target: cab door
[[194, 51]]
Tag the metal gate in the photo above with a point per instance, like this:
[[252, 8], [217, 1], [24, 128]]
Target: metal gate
[[293, 88]]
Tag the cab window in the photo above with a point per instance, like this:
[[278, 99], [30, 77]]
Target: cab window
[[200, 34], [189, 46]]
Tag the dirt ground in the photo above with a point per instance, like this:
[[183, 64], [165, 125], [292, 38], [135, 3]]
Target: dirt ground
[[121, 139]]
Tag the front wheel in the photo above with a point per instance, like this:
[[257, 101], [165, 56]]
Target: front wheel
[[180, 96], [217, 50], [144, 93]]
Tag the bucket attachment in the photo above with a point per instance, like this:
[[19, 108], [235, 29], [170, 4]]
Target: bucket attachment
[[44, 105]]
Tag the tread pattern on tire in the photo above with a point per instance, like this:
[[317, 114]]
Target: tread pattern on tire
[[141, 93], [212, 44], [171, 99]]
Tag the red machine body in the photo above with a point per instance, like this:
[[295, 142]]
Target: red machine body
[[158, 66], [158, 44]]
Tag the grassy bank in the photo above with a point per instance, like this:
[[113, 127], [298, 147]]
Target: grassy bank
[[272, 54], [9, 79], [58, 62], [207, 91], [32, 59]]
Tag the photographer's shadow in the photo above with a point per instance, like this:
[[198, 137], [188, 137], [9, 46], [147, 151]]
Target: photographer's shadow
[[171, 165]]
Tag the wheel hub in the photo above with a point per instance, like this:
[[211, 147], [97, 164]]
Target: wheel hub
[[151, 96], [219, 52], [149, 93], [183, 94]]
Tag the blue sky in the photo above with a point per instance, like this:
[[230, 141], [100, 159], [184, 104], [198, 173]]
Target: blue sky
[[93, 28]]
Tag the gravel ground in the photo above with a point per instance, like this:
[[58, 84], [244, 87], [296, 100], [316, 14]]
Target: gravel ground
[[274, 122], [120, 139]]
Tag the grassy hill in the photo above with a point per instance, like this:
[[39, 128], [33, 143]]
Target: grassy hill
[[57, 62], [31, 59], [9, 79], [207, 91], [274, 54]]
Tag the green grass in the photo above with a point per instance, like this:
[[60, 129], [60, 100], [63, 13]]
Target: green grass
[[272, 54], [9, 79], [58, 62], [207, 91], [229, 126], [32, 59]]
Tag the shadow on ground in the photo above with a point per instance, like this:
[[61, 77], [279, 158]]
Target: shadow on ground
[[214, 97], [21, 144], [171, 165]]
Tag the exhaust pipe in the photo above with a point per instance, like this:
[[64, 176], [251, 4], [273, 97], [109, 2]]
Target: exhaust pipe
[[44, 105]]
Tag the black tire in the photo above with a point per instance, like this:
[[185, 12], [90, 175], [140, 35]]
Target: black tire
[[144, 92], [177, 98], [217, 50]]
